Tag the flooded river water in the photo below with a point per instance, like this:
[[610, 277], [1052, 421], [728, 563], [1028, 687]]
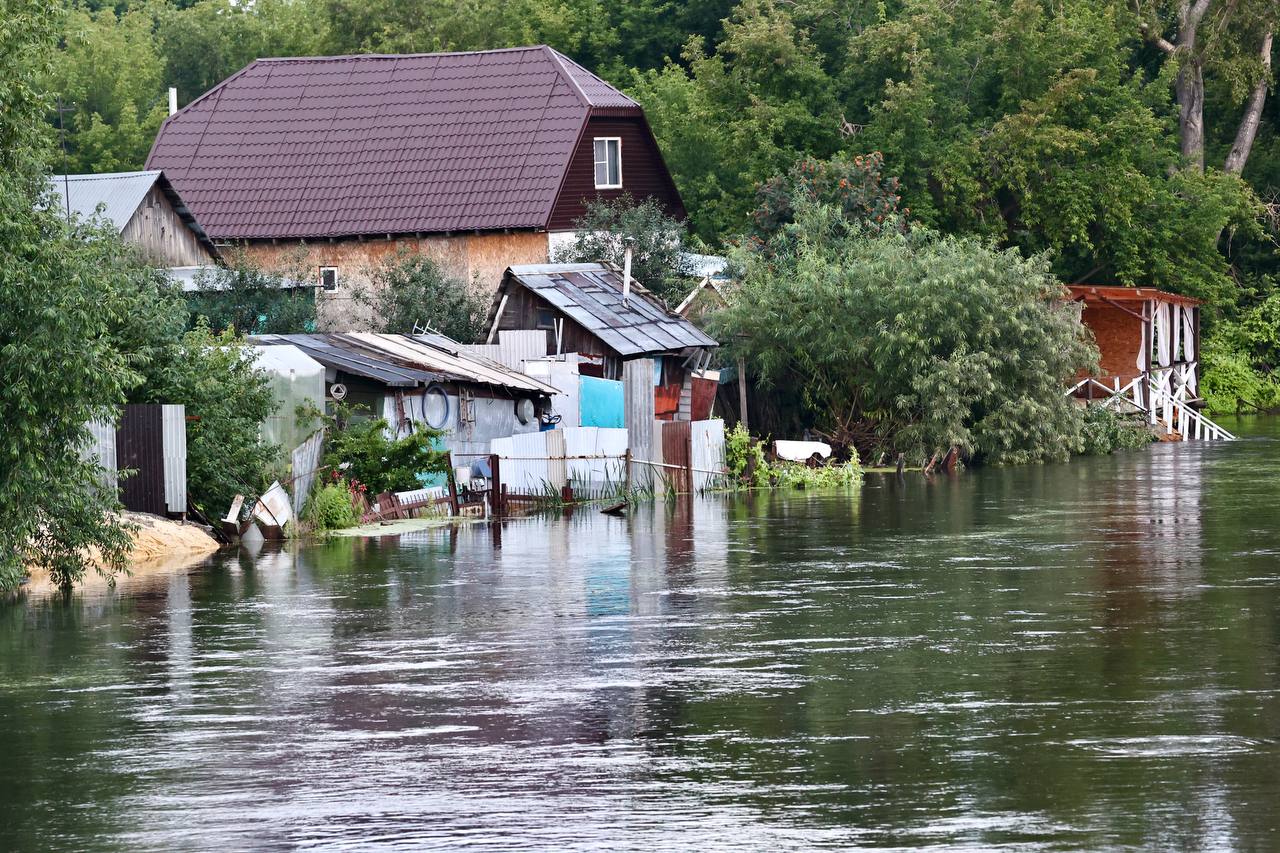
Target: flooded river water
[[1062, 657]]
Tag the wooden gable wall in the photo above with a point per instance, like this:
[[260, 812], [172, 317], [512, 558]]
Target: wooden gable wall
[[644, 175], [162, 234]]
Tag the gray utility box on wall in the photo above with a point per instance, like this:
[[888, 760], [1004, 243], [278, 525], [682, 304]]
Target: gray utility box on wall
[[152, 440]]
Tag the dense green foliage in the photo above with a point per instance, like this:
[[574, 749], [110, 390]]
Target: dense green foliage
[[252, 300], [86, 326], [360, 449], [1104, 431], [1241, 361], [58, 369], [410, 292], [747, 465], [227, 399], [330, 508], [909, 341], [657, 244]]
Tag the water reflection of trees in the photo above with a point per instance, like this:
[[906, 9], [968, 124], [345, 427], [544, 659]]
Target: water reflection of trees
[[981, 657]]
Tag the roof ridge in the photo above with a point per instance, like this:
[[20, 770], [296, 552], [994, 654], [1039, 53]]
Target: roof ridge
[[556, 59], [418, 55], [107, 176]]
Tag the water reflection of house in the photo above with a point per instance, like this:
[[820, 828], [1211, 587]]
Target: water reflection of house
[[425, 379], [1149, 345], [588, 310]]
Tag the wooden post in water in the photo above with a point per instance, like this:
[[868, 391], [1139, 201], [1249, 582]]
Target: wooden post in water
[[453, 484], [495, 488]]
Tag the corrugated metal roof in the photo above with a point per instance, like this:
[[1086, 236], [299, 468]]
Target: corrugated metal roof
[[591, 295], [406, 361], [349, 145], [120, 194]]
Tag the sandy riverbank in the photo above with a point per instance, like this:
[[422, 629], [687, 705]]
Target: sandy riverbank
[[158, 545]]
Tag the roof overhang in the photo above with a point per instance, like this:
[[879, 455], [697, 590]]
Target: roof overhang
[[1112, 293]]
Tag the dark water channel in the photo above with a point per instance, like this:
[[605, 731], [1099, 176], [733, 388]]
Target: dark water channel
[[1062, 657]]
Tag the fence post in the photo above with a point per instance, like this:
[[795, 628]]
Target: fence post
[[626, 475], [495, 490], [453, 484]]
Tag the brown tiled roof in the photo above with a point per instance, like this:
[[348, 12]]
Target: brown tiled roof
[[347, 145]]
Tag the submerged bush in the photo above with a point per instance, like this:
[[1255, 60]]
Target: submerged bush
[[747, 466], [330, 508], [362, 449], [1104, 431]]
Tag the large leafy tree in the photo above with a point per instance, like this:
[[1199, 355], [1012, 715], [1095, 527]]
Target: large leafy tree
[[58, 370], [910, 341]]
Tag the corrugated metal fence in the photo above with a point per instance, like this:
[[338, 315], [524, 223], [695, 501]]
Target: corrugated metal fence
[[152, 442]]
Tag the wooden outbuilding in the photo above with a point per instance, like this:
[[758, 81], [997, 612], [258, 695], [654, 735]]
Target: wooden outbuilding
[[145, 210], [587, 309]]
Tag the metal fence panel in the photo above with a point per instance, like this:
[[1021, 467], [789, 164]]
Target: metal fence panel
[[173, 424], [306, 459], [140, 448], [675, 451], [101, 450], [706, 449]]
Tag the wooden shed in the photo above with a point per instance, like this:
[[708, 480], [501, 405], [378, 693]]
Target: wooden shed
[[146, 211], [587, 309]]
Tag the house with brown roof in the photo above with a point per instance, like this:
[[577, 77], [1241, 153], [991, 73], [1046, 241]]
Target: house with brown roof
[[477, 159]]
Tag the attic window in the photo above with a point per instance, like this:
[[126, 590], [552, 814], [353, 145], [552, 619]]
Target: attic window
[[329, 278], [546, 318], [608, 150]]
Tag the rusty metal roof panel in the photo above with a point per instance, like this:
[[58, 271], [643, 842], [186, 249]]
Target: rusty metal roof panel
[[348, 145], [591, 295], [426, 352], [330, 351]]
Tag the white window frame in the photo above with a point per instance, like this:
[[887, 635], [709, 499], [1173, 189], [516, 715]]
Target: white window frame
[[617, 144], [324, 270]]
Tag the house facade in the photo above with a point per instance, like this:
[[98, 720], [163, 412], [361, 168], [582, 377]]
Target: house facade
[[480, 160]]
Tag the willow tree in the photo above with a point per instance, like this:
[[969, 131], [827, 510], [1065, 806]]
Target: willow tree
[[910, 341]]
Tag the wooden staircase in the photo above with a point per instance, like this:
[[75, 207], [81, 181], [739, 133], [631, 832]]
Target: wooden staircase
[[1172, 417]]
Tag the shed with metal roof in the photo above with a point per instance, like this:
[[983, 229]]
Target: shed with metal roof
[[431, 380], [145, 210]]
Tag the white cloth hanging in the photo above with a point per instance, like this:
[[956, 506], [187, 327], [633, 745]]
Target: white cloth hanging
[[1144, 347], [1189, 343], [1162, 334]]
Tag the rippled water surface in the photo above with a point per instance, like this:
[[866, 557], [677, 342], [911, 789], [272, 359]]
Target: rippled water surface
[[1063, 657]]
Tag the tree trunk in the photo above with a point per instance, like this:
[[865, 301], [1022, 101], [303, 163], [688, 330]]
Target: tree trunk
[[1189, 86], [1239, 154], [1189, 89]]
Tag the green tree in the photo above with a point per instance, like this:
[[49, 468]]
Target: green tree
[[740, 115], [409, 292], [111, 74], [910, 341], [658, 244], [227, 398], [58, 370], [857, 186], [252, 300]]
